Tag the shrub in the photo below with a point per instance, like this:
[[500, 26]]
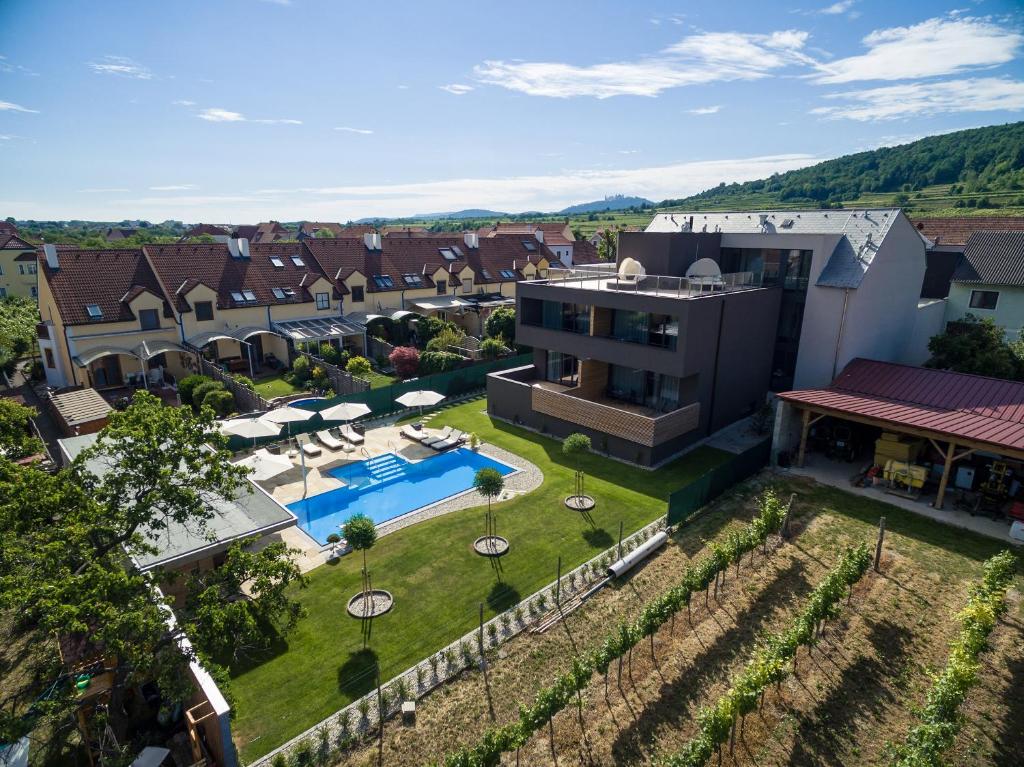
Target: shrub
[[502, 324], [405, 360], [187, 387], [200, 392], [401, 690], [492, 631], [449, 656], [329, 354], [345, 720], [492, 348], [245, 382], [506, 621], [428, 327], [358, 367], [363, 707], [467, 654], [220, 401], [518, 613], [448, 337], [438, 362], [279, 761], [318, 377], [420, 676], [300, 371], [303, 754], [434, 661]]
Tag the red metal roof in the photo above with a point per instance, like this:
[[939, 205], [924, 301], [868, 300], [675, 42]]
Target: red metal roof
[[970, 407]]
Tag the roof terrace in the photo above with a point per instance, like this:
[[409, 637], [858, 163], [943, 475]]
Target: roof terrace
[[693, 286]]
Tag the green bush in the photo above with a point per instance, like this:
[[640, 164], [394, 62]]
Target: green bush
[[448, 337], [220, 401], [245, 382], [300, 371], [200, 392], [502, 324], [359, 367], [491, 348], [329, 354], [428, 327], [188, 384], [438, 362]]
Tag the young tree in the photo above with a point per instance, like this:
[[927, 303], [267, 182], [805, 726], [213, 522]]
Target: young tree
[[361, 533], [976, 346], [490, 483], [501, 323], [405, 360], [575, 446]]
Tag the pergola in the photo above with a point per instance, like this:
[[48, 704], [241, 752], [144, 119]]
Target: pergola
[[143, 352], [319, 328], [966, 413]]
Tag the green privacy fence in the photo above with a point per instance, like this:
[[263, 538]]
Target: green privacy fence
[[685, 502], [382, 401]]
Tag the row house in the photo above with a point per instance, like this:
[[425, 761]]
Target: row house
[[17, 267]]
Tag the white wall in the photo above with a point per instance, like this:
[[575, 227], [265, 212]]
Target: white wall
[[931, 321]]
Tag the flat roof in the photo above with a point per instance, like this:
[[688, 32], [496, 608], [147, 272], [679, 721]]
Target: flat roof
[[969, 409], [251, 512], [81, 406]]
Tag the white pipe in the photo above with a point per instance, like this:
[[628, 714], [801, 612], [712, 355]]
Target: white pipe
[[638, 555]]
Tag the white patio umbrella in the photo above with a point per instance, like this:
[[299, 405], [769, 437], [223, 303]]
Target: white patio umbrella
[[420, 398], [287, 415], [265, 464], [250, 427], [346, 411]]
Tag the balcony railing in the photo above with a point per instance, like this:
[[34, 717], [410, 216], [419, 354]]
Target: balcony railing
[[625, 422], [652, 284]]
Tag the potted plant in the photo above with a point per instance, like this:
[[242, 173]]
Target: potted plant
[[474, 442], [334, 539]]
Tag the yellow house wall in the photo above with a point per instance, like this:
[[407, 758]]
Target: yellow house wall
[[11, 280]]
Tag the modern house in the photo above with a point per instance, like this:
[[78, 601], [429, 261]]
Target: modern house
[[18, 270], [705, 314], [945, 240], [989, 281]]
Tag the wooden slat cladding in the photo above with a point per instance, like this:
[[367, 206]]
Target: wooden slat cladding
[[611, 420]]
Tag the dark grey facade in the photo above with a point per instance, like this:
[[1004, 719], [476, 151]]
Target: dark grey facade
[[645, 368]]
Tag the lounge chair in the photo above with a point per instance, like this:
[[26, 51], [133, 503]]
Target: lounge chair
[[420, 436], [308, 447], [329, 441], [432, 439], [456, 438], [351, 435]]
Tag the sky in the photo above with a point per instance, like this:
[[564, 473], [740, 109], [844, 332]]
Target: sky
[[236, 111]]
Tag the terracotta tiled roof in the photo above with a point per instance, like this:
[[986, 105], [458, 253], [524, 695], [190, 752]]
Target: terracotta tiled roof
[[101, 278], [406, 231], [6, 227], [310, 228], [422, 256], [554, 233], [206, 229], [268, 231], [10, 241], [956, 231], [970, 407], [584, 252], [184, 265]]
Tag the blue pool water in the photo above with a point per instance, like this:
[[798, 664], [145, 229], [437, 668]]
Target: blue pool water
[[388, 486], [307, 401]]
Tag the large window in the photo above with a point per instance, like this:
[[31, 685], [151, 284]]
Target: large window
[[323, 301], [562, 368], [659, 330], [204, 310], [442, 286], [984, 299], [149, 319], [643, 387]]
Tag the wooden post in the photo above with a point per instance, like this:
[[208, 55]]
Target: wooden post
[[380, 722], [940, 496], [878, 546], [784, 532], [805, 428], [558, 585], [481, 640], [620, 539]]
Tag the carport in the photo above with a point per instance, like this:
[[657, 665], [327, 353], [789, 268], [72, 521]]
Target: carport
[[958, 414]]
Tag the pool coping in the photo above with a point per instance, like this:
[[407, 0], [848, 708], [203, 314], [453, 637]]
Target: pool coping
[[530, 475]]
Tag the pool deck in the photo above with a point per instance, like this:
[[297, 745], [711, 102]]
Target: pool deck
[[287, 488]]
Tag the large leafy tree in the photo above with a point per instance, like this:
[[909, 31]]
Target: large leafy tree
[[63, 563], [16, 438], [977, 346], [501, 323]]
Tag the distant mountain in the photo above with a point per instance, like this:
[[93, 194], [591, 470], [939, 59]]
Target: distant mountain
[[615, 202], [468, 213], [970, 169]]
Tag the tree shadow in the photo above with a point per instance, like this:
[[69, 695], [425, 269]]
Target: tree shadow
[[277, 644], [670, 707], [598, 538], [358, 674], [861, 694], [1009, 740], [502, 597]]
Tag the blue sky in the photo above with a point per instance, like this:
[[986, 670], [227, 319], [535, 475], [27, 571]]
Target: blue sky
[[243, 110]]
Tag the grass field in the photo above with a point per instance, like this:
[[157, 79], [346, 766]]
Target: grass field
[[438, 582], [379, 380], [854, 693], [276, 386]]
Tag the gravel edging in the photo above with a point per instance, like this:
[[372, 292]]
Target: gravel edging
[[526, 478]]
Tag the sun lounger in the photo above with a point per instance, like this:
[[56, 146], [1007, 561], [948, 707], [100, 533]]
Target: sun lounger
[[350, 434], [433, 439], [329, 441], [455, 438], [420, 436], [308, 447]]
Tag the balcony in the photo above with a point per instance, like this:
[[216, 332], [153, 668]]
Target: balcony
[[620, 419], [585, 278]]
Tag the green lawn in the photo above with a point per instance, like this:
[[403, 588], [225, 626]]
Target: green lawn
[[268, 388], [379, 380], [439, 583]]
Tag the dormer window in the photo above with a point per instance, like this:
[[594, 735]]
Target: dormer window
[[204, 310], [149, 319], [94, 312], [276, 262], [297, 260]]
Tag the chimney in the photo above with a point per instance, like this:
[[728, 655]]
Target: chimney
[[539, 234], [233, 247], [376, 241], [50, 250], [243, 247], [691, 223], [763, 218], [368, 240], [472, 240]]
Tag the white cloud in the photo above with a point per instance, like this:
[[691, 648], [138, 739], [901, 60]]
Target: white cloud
[[7, 67], [403, 87], [7, 106], [347, 129], [121, 66], [173, 188], [183, 103], [710, 110], [103, 191], [699, 59], [939, 46], [217, 115], [837, 8], [629, 151], [457, 89], [278, 2], [985, 94]]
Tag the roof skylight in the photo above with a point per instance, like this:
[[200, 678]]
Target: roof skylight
[[530, 246], [448, 254], [277, 262], [278, 294], [508, 274], [383, 281], [297, 260], [94, 311], [414, 280]]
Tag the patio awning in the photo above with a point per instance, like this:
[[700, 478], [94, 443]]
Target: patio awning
[[236, 334], [402, 314], [440, 304], [362, 318], [149, 349], [93, 354], [319, 328]]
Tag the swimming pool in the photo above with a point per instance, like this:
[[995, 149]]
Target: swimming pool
[[389, 486]]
